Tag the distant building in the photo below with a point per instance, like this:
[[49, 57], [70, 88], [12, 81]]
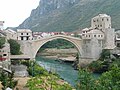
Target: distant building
[[117, 38], [1, 25], [11, 34], [24, 34], [5, 56]]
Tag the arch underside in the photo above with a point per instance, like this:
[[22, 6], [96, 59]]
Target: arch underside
[[73, 41]]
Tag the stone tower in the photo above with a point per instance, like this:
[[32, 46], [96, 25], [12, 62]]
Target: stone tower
[[99, 36]]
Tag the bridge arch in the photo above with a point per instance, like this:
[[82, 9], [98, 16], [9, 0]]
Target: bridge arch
[[39, 43]]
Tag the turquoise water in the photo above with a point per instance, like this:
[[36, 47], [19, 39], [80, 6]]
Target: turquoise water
[[65, 70]]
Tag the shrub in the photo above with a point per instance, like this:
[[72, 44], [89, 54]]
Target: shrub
[[2, 41], [14, 47]]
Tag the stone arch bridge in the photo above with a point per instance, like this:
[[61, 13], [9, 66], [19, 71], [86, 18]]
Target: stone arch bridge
[[31, 47]]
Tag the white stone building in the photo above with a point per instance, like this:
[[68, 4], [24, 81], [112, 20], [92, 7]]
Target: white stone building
[[101, 22], [11, 34], [24, 34], [5, 62]]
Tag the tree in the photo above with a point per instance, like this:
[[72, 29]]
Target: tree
[[3, 79], [109, 80], [105, 54], [7, 80], [85, 80], [14, 47], [2, 41]]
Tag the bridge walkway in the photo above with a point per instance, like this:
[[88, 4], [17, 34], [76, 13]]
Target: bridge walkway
[[19, 57]]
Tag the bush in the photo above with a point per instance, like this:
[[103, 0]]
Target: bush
[[14, 47], [34, 69], [7, 80], [109, 80], [2, 41], [98, 66]]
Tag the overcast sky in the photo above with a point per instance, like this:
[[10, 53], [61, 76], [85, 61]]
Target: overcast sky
[[14, 12]]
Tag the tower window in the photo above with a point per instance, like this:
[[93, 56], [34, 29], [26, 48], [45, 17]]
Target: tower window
[[107, 19], [4, 54], [102, 19], [83, 31], [21, 33], [94, 35]]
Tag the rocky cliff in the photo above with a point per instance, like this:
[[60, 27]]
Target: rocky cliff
[[69, 15]]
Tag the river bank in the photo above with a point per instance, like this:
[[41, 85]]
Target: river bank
[[59, 54]]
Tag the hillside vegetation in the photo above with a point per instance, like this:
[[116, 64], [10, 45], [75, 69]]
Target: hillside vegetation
[[71, 15]]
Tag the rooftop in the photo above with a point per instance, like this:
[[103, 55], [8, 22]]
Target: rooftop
[[23, 30]]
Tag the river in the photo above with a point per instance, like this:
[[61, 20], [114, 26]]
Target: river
[[65, 70]]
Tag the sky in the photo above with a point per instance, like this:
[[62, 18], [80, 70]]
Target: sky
[[14, 12]]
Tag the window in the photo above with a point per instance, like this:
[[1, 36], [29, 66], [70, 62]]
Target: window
[[102, 19], [101, 35], [21, 38], [107, 19], [89, 35], [27, 33], [100, 25], [97, 20], [94, 35], [93, 20], [98, 35], [27, 38], [4, 54], [21, 33], [83, 31]]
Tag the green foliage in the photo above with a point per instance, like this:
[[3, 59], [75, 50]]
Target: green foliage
[[58, 43], [49, 82], [44, 80], [85, 80], [99, 66], [105, 54], [102, 64], [14, 47], [109, 80], [3, 79], [34, 69], [74, 17], [7, 80], [2, 41]]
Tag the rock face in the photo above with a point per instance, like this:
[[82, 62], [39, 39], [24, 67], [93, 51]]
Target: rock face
[[69, 15]]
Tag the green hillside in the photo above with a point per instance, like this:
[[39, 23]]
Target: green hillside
[[73, 17]]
